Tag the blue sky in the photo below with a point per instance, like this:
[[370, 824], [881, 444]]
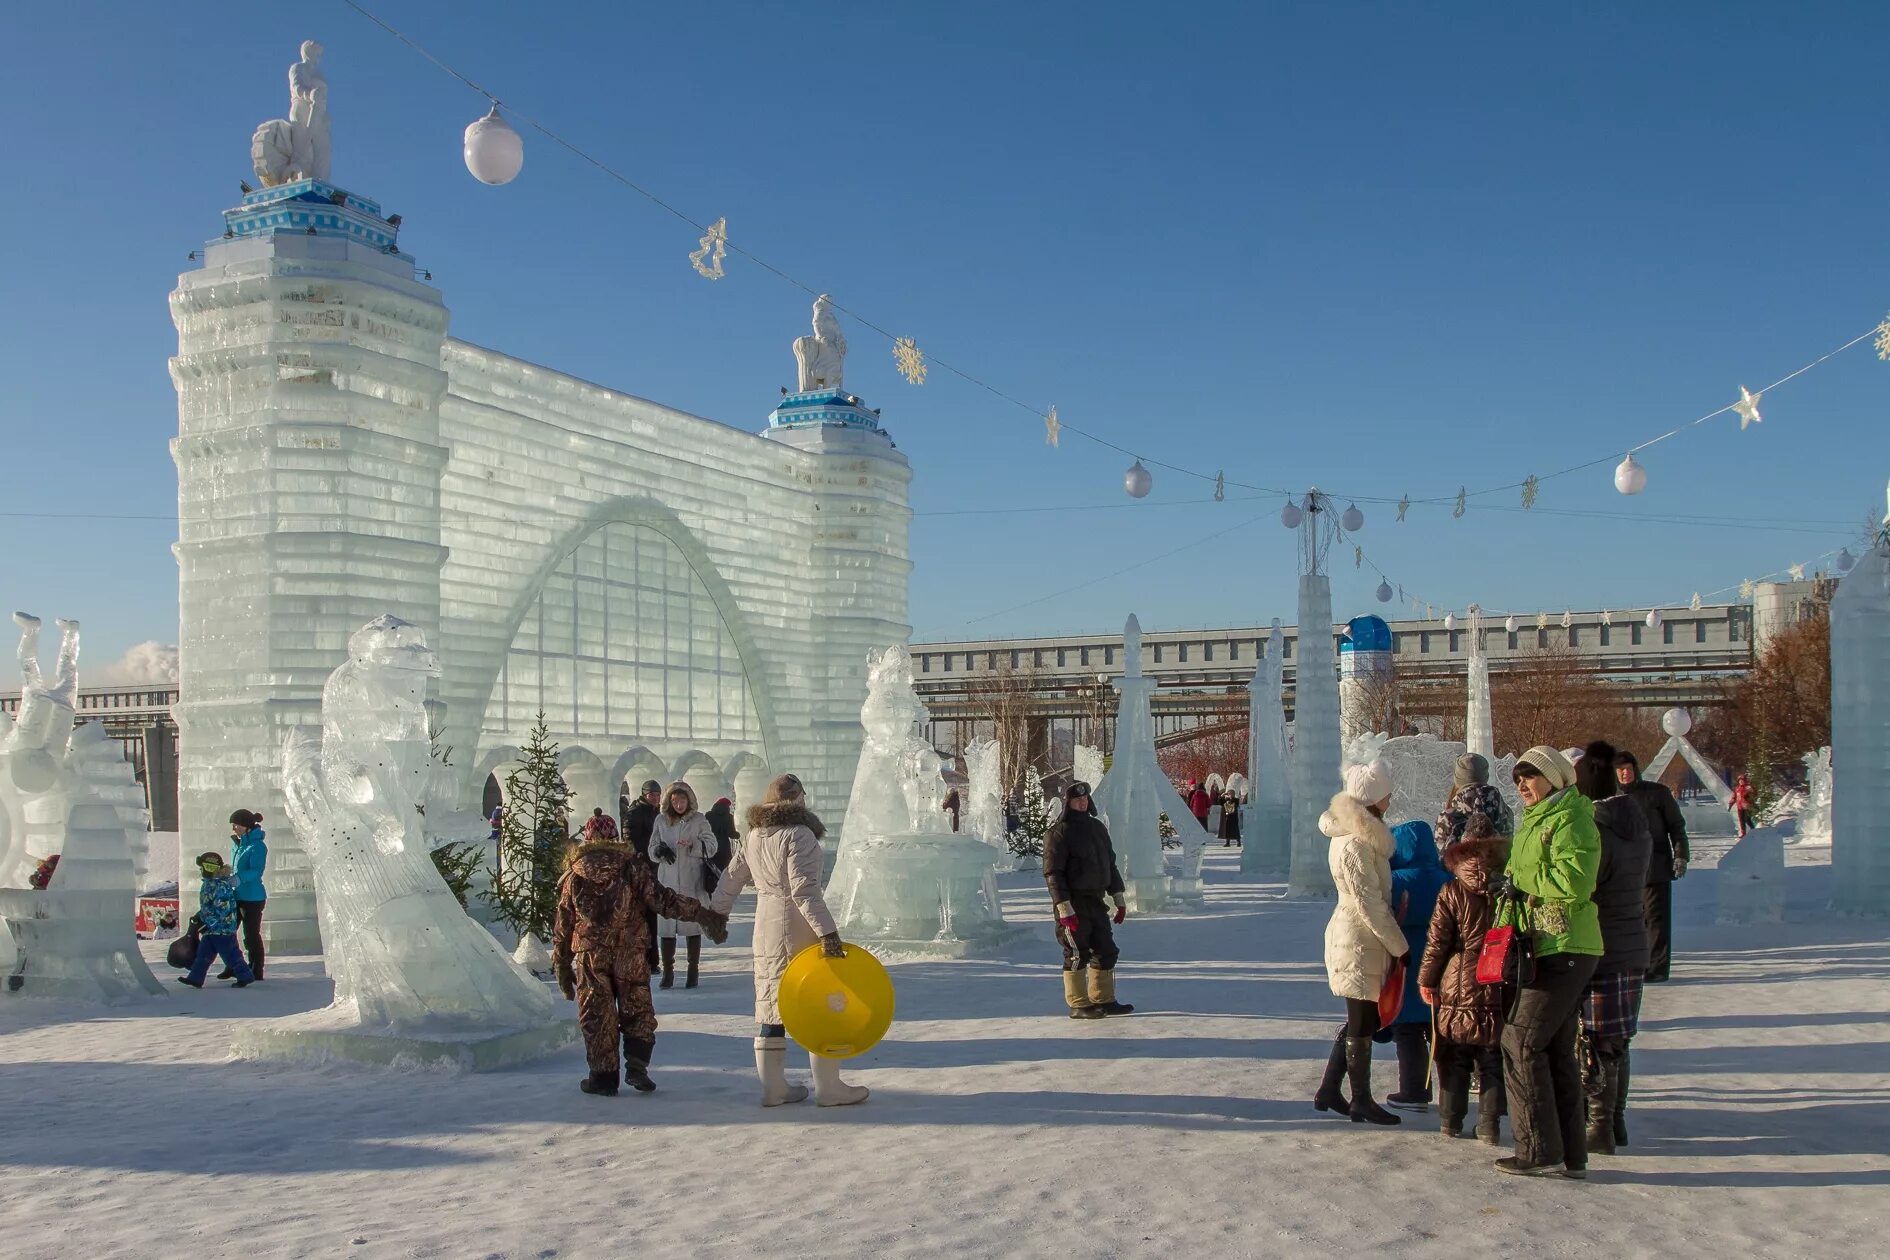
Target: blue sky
[[1390, 249]]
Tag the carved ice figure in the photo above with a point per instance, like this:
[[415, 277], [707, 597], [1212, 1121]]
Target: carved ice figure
[[67, 792], [1814, 820], [984, 812], [1421, 767], [902, 879], [415, 978], [297, 147], [823, 356], [1266, 839], [1087, 764], [1135, 793]]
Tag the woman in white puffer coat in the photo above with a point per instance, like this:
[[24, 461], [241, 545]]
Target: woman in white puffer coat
[[782, 857], [1362, 937], [681, 843]]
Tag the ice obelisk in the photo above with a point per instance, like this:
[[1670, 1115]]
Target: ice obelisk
[[1268, 836], [1479, 731], [1135, 793], [1860, 734], [1316, 750]]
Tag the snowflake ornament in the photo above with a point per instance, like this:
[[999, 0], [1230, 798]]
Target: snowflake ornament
[[1358, 557], [1798, 572], [1052, 428], [1404, 505], [1695, 605], [1529, 491], [1457, 511], [1883, 338], [909, 359], [1607, 618], [1746, 588], [1542, 621], [1747, 407], [708, 260], [1220, 487]]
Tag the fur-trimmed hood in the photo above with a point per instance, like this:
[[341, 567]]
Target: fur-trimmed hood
[[598, 861], [1348, 816], [784, 814], [686, 790]]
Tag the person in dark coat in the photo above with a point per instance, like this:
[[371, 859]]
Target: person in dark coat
[[638, 822], [722, 821], [1079, 868], [1469, 1012], [1666, 860], [1417, 877], [1471, 792], [1611, 1008], [1230, 818]]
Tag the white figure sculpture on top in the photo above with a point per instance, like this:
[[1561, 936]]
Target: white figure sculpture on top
[[823, 356], [296, 147]]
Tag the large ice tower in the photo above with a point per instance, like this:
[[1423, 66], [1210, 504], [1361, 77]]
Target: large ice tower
[[680, 598], [1860, 735]]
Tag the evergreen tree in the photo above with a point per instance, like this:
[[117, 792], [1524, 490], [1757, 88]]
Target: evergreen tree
[[1033, 817], [532, 839]]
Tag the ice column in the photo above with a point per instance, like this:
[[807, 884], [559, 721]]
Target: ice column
[[1135, 792], [1860, 735], [1268, 835], [1479, 731], [984, 811], [415, 978], [1316, 750]]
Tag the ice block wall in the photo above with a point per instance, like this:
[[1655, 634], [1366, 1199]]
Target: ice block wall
[[1316, 749], [1860, 737]]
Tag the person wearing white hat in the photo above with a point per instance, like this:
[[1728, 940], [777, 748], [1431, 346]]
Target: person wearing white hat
[[1362, 936]]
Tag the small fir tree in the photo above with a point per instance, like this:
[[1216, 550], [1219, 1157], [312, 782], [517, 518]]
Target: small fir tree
[[1033, 817], [532, 839], [1171, 838]]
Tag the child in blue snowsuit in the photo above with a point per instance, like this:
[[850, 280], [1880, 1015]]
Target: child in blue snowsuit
[[218, 916]]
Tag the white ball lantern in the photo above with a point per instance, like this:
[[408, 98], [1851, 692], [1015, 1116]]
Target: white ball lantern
[[1845, 560], [1290, 515], [1629, 476], [494, 152], [1450, 621], [1384, 592], [1137, 481], [1653, 619], [1512, 623], [1353, 520], [1676, 722]]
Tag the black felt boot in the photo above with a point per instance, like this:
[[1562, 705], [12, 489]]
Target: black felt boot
[[669, 963], [636, 1065], [1358, 1068], [1330, 1097], [1414, 1067], [604, 1083], [1599, 1080], [695, 961]]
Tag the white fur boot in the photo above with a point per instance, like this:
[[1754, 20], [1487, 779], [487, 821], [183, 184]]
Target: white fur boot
[[829, 1089], [771, 1067]]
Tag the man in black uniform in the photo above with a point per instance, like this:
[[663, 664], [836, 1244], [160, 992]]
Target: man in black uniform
[[1079, 866], [1666, 861]]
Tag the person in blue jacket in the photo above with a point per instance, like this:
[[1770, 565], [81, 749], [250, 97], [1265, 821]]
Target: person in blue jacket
[[249, 856], [1417, 876]]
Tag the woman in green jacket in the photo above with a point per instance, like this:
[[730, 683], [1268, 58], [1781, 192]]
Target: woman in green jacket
[[1552, 863]]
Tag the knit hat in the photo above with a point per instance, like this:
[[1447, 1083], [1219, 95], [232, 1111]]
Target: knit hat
[[1551, 764], [782, 789], [1470, 768], [1369, 784], [245, 819]]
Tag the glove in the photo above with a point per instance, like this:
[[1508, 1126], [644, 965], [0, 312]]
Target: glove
[[665, 854], [1429, 995], [1122, 911], [714, 926], [832, 946], [1066, 917], [1679, 867], [567, 985]]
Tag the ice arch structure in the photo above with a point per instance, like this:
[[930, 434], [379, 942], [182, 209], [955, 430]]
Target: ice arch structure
[[674, 592]]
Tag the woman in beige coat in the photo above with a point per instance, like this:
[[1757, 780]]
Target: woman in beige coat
[[681, 842], [1362, 936], [781, 857]]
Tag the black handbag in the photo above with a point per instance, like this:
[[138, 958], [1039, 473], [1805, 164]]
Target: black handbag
[[710, 876], [183, 951]]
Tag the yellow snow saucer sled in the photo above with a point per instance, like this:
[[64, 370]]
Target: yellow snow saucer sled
[[836, 1007]]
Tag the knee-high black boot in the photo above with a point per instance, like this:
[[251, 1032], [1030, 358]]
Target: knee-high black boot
[[1330, 1097], [1358, 1068], [695, 961], [669, 963], [1599, 1075]]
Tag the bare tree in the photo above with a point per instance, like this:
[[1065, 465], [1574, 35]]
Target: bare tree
[[1218, 749], [1779, 711], [1546, 696], [1003, 698]]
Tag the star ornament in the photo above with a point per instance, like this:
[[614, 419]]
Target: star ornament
[[1747, 407], [1798, 572], [1052, 428]]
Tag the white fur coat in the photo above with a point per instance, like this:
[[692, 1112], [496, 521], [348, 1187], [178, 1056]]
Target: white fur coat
[[1362, 936]]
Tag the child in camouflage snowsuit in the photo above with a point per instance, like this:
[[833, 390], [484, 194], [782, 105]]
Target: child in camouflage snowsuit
[[601, 946]]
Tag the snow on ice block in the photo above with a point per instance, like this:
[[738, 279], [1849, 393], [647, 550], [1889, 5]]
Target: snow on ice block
[[330, 1035], [1752, 879]]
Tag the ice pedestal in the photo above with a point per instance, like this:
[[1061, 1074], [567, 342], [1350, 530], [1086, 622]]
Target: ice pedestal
[[1860, 736], [1751, 879], [1315, 777], [416, 980], [902, 881]]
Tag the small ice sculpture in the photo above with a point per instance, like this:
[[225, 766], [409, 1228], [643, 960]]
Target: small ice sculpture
[[1814, 820], [1135, 794], [416, 980], [67, 792], [1267, 837], [984, 813], [1677, 722], [1316, 738], [1479, 728], [296, 147], [1421, 767], [1860, 735], [903, 881]]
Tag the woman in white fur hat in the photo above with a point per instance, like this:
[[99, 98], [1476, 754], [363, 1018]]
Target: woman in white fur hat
[[1362, 936]]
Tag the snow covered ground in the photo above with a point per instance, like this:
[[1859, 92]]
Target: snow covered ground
[[997, 1127]]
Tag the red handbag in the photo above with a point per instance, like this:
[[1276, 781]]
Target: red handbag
[[1497, 943], [1509, 953], [1391, 994]]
